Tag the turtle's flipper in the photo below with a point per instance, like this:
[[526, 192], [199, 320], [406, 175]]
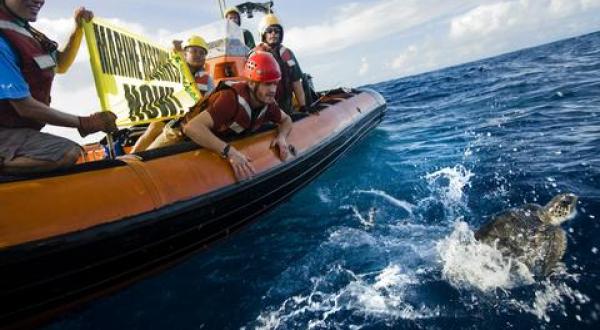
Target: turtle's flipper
[[556, 249]]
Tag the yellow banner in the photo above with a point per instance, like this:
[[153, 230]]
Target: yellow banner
[[137, 79]]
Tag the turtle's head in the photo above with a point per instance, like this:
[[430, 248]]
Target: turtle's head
[[561, 208]]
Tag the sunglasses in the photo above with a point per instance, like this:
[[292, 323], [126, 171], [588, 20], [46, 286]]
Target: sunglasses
[[195, 51], [273, 30]]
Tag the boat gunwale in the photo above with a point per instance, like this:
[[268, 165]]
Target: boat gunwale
[[131, 223], [366, 125], [180, 148]]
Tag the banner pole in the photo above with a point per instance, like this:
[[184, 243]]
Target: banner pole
[[221, 4], [90, 40], [111, 146], [136, 79]]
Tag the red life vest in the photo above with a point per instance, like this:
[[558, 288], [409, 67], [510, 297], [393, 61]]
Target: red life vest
[[244, 119], [286, 63], [37, 68], [201, 78]]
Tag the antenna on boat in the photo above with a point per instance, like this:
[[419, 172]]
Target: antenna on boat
[[110, 146], [249, 8], [222, 5]]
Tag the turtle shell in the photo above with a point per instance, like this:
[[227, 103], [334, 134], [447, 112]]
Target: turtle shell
[[521, 234]]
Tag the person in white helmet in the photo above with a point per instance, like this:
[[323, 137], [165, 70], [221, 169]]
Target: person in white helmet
[[271, 33], [233, 14]]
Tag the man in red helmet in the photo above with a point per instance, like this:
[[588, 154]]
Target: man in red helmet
[[244, 106]]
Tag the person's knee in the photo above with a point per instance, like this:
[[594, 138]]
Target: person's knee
[[70, 157], [155, 128]]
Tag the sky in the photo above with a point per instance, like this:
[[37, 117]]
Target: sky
[[340, 43]]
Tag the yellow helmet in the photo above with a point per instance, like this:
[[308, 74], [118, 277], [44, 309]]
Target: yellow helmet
[[267, 21], [231, 10], [196, 41]]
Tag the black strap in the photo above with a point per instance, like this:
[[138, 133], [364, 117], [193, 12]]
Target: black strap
[[253, 113], [253, 117], [220, 87], [47, 44], [224, 86]]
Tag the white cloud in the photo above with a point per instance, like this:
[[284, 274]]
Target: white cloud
[[55, 28], [420, 58], [364, 67], [497, 27], [484, 20], [518, 17], [405, 58], [359, 23]]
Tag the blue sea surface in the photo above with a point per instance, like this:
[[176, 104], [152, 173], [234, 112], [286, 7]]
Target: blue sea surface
[[384, 238]]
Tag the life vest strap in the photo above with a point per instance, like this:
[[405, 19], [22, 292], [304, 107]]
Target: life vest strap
[[8, 25]]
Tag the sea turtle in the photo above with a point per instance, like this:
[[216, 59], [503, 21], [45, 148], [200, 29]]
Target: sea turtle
[[532, 234]]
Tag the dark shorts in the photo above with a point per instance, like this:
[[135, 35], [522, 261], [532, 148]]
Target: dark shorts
[[30, 143]]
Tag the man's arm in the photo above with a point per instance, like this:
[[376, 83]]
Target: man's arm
[[67, 55], [297, 82], [199, 131], [33, 109], [283, 131], [299, 92]]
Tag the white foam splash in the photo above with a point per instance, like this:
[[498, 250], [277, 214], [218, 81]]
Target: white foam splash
[[450, 182], [551, 297], [368, 221], [382, 296], [397, 202], [323, 194], [467, 263], [392, 276], [348, 238]]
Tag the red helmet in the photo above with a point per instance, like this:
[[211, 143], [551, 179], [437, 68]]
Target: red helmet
[[262, 67]]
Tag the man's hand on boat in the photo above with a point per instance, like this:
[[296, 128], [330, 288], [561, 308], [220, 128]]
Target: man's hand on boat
[[240, 163], [282, 146], [199, 131]]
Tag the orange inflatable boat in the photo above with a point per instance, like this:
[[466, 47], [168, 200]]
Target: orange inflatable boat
[[67, 236]]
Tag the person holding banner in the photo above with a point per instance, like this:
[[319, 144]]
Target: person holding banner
[[194, 52], [162, 134], [241, 107], [28, 62]]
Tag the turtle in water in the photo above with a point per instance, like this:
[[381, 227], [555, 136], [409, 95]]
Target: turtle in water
[[532, 234]]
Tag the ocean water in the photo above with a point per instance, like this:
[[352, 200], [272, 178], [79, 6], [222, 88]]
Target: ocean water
[[384, 238]]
